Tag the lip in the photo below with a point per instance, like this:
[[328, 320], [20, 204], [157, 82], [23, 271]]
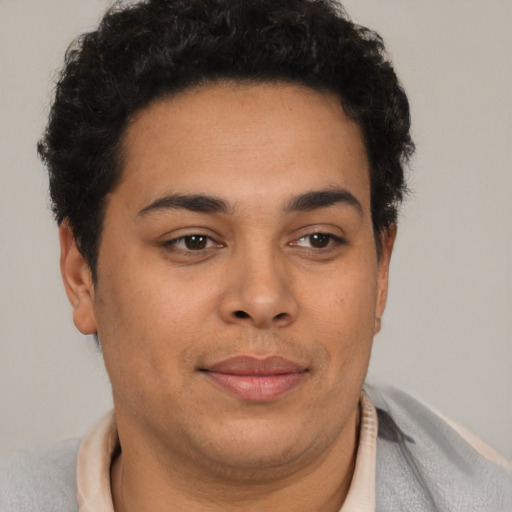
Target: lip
[[256, 380]]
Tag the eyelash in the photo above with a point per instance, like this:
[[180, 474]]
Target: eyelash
[[333, 242], [173, 244]]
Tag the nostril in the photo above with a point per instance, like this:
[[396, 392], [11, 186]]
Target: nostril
[[241, 314], [279, 316]]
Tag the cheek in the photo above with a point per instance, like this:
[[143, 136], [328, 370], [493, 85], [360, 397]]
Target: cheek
[[343, 315], [149, 317], [144, 293], [345, 300]]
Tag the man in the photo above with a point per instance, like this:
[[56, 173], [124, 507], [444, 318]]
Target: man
[[226, 177]]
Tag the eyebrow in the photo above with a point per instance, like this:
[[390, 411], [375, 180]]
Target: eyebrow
[[322, 199], [195, 203], [201, 203]]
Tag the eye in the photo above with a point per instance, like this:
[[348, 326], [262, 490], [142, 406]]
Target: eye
[[195, 242], [318, 241]]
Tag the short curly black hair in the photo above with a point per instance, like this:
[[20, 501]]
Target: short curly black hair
[[150, 49]]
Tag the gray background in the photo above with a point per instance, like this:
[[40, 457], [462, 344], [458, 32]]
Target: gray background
[[447, 332]]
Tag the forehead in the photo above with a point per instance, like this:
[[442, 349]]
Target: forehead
[[244, 141]]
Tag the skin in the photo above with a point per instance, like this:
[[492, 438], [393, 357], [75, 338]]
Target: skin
[[259, 283]]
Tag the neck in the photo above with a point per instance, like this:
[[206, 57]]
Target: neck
[[142, 479]]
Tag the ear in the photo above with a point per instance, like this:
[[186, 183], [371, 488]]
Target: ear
[[77, 278], [387, 239]]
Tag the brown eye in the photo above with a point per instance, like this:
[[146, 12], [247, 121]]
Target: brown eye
[[195, 245], [195, 242], [320, 240]]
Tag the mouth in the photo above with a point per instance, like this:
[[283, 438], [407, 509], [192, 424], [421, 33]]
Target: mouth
[[256, 380]]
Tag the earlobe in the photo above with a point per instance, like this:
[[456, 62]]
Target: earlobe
[[387, 241], [77, 278]]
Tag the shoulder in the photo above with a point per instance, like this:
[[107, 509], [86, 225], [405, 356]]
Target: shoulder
[[424, 463], [42, 480]]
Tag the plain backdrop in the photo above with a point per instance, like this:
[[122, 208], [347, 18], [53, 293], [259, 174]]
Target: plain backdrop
[[447, 331]]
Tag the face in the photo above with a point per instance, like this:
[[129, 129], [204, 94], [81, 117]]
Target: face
[[238, 285]]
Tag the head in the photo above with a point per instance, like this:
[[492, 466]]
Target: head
[[227, 176], [155, 49]]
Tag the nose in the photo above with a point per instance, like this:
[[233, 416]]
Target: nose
[[258, 293]]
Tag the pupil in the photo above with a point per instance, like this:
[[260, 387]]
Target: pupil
[[195, 242], [320, 240]]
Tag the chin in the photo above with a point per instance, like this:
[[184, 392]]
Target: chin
[[260, 451]]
